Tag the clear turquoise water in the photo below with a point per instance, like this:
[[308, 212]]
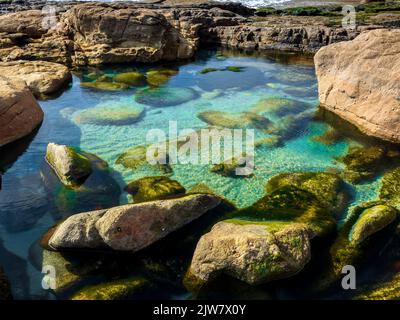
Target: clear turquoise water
[[218, 91]]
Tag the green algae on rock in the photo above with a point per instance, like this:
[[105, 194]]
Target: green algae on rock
[[328, 188], [273, 250], [291, 204], [388, 290], [238, 167], [136, 157], [346, 252], [362, 163], [390, 189], [235, 120], [117, 115], [114, 290], [99, 190], [279, 106], [154, 188], [104, 85], [158, 78], [371, 221], [165, 97], [133, 79], [329, 137], [71, 166]]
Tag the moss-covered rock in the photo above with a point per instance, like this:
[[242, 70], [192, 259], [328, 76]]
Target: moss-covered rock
[[72, 167], [364, 163], [165, 97], [272, 250], [346, 252], [237, 167], [328, 188], [98, 191], [133, 79], [114, 290], [279, 106], [208, 70], [291, 204], [388, 290], [158, 78], [104, 86], [235, 120], [136, 157], [389, 190], [371, 221], [117, 115], [154, 188], [329, 137]]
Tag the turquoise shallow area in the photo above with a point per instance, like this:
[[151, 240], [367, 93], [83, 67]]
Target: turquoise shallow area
[[226, 91]]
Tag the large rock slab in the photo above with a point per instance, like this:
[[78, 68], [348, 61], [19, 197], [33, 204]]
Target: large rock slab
[[359, 80], [131, 227], [42, 78], [250, 251], [20, 114]]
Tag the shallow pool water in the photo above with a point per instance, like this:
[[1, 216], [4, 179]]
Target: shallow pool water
[[24, 213]]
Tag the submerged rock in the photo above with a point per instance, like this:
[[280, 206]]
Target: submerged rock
[[154, 188], [366, 163], [235, 120], [71, 166], [158, 78], [136, 157], [279, 106], [132, 227], [330, 137], [113, 290], [133, 79], [42, 77], [117, 115], [105, 86], [328, 188], [359, 81], [238, 167], [165, 97], [251, 252], [20, 114]]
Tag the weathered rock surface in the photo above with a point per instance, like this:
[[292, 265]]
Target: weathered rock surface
[[251, 252], [127, 32], [42, 78], [359, 81], [131, 227], [20, 114], [70, 166]]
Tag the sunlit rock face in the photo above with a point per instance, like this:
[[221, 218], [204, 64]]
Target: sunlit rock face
[[359, 81]]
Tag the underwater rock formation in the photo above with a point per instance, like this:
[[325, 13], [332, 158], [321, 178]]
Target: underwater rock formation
[[359, 81], [20, 114], [5, 291], [131, 227], [154, 188]]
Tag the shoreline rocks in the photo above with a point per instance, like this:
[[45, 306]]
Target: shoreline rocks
[[43, 78], [20, 114], [131, 227], [359, 81]]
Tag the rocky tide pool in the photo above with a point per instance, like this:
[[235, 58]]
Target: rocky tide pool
[[108, 112]]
